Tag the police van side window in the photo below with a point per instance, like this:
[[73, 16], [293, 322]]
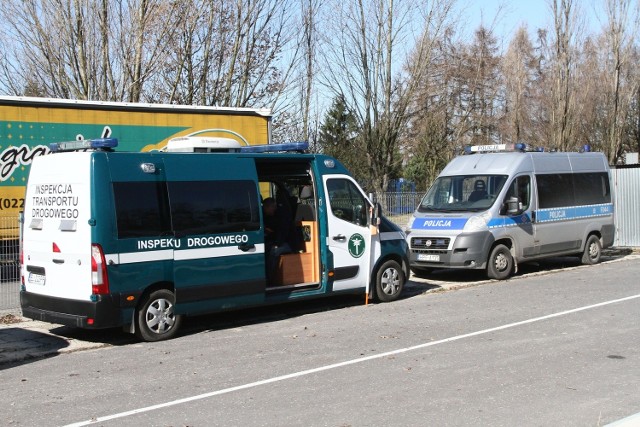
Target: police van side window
[[520, 188], [141, 209], [346, 201], [592, 188], [212, 207], [555, 190]]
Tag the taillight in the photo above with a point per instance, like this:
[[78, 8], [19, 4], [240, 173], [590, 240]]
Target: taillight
[[99, 278]]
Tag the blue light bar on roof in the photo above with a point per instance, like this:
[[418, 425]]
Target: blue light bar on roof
[[276, 148], [84, 144]]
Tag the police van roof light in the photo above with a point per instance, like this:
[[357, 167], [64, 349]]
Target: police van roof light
[[585, 148], [520, 146], [84, 144], [277, 148]]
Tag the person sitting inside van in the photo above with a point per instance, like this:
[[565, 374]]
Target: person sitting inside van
[[276, 234], [479, 191]]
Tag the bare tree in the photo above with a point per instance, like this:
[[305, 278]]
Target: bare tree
[[82, 49], [519, 70], [565, 18], [621, 88], [228, 52], [369, 41]]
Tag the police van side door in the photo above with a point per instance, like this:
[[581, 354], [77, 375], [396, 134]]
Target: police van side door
[[349, 236], [519, 224]]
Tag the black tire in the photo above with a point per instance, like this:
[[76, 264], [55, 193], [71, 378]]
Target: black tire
[[389, 281], [421, 271], [500, 263], [592, 251], [155, 319]]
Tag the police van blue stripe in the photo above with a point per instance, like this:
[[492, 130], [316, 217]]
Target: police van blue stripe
[[439, 223], [577, 212]]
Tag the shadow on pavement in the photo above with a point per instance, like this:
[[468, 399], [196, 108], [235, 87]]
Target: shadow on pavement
[[21, 346]]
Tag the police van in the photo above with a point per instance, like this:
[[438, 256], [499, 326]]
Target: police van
[[140, 240], [500, 205]]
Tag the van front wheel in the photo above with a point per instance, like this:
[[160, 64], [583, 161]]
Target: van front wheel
[[155, 319], [592, 251], [389, 281], [500, 263]]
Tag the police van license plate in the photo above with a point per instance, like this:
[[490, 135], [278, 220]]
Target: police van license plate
[[427, 257], [36, 279]]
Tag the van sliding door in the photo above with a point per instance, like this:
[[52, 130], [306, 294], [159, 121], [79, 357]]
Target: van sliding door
[[215, 212]]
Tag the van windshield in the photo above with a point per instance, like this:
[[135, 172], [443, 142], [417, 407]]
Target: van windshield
[[463, 193]]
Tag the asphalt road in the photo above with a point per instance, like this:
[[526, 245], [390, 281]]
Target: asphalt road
[[557, 348]]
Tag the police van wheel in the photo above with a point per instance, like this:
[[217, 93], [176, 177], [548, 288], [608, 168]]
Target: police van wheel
[[500, 263], [592, 251], [155, 319], [389, 281]]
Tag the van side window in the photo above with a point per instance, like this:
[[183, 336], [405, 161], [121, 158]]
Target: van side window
[[211, 207], [593, 188], [347, 202], [520, 188], [141, 209], [555, 190]]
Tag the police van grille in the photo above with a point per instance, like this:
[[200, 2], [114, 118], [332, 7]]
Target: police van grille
[[430, 243]]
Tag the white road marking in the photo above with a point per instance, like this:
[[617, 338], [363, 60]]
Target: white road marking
[[345, 363]]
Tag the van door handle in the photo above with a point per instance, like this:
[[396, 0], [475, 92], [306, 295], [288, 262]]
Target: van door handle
[[339, 238], [58, 261], [246, 247]]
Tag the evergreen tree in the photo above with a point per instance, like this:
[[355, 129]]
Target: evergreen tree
[[340, 138]]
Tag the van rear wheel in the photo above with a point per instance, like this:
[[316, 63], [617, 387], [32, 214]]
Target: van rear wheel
[[155, 319], [389, 281], [500, 263], [592, 251]]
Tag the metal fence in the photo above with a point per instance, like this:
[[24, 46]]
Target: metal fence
[[398, 206], [626, 182], [9, 263]]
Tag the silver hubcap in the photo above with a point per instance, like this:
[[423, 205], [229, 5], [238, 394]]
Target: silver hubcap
[[160, 317], [593, 250], [390, 281], [501, 262]]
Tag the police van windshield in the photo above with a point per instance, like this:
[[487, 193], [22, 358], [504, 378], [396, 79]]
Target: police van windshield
[[465, 193]]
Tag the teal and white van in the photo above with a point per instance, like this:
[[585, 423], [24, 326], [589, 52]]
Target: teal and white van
[[500, 205], [142, 239]]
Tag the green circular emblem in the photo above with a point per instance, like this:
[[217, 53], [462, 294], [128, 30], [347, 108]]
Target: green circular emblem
[[356, 245]]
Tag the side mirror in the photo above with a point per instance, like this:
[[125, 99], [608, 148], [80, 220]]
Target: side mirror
[[376, 212], [513, 206]]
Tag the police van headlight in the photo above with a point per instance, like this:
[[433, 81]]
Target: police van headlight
[[478, 223], [407, 228]]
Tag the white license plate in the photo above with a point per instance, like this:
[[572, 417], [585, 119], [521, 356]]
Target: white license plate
[[427, 257], [36, 279]]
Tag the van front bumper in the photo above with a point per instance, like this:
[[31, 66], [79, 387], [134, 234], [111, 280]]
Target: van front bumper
[[105, 312], [469, 251]]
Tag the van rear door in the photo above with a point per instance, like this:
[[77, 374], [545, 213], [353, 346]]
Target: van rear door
[[56, 232]]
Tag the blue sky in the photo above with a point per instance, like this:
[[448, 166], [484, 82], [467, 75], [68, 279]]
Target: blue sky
[[505, 16]]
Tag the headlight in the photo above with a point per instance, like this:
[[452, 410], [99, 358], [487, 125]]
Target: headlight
[[407, 228], [477, 223]]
